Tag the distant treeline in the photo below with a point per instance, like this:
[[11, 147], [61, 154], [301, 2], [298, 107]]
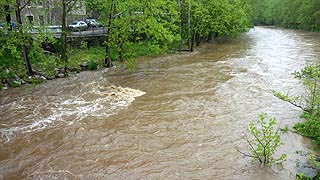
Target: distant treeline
[[298, 14]]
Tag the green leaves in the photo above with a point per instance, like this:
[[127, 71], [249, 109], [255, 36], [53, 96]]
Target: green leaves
[[264, 140], [159, 20], [287, 13]]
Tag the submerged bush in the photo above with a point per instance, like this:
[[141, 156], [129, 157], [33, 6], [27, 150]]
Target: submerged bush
[[263, 141], [310, 127], [310, 102]]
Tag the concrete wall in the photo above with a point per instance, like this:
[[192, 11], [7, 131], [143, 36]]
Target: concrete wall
[[49, 12]]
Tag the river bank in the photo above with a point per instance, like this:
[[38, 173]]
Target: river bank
[[185, 122], [82, 58]]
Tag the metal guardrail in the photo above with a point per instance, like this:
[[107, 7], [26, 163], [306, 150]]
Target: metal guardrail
[[91, 32]]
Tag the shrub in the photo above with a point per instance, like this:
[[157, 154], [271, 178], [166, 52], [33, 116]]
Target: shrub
[[311, 79], [92, 65], [264, 140]]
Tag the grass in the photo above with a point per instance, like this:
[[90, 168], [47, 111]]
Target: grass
[[80, 56], [92, 56]]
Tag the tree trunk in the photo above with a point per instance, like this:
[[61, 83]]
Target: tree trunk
[[189, 25], [209, 37], [216, 35], [180, 23], [192, 41], [108, 61], [63, 39], [23, 40], [121, 50], [8, 16], [198, 39]]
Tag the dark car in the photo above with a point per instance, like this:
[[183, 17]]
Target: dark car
[[4, 24]]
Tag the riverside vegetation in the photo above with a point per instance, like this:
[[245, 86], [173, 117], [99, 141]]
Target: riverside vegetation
[[263, 141], [137, 28], [134, 28], [152, 27], [310, 104]]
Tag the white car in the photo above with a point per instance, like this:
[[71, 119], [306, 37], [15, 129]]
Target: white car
[[78, 26], [93, 23]]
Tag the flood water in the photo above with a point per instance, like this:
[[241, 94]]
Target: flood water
[[178, 116]]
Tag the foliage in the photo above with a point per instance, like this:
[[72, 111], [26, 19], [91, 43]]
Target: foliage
[[158, 21], [83, 45], [311, 78], [311, 126], [92, 65], [301, 176], [316, 165], [86, 55], [139, 28], [131, 65], [264, 141], [288, 13]]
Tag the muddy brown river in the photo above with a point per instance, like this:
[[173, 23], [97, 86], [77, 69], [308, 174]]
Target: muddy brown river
[[178, 116]]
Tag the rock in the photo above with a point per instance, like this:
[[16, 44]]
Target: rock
[[37, 76], [84, 66], [61, 75], [5, 86], [50, 78], [17, 82]]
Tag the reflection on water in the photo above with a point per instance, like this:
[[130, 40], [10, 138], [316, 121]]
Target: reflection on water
[[177, 117]]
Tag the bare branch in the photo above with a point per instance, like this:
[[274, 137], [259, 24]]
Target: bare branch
[[25, 4], [287, 99], [71, 5], [253, 150]]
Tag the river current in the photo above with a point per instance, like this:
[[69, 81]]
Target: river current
[[180, 116]]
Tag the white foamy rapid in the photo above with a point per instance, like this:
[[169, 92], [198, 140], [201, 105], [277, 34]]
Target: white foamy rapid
[[91, 100]]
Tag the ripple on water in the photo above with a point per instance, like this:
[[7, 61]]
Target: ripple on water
[[96, 101]]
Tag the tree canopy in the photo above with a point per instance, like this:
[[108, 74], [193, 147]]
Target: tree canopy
[[159, 21], [158, 24], [299, 14]]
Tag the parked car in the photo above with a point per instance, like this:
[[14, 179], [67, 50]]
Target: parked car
[[4, 25], [93, 23], [78, 26]]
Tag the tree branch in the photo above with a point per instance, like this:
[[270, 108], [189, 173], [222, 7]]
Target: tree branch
[[71, 5], [25, 4], [253, 150], [287, 99]]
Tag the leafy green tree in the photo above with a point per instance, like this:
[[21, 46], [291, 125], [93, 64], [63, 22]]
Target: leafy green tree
[[287, 13], [136, 21], [23, 35], [108, 61], [67, 7]]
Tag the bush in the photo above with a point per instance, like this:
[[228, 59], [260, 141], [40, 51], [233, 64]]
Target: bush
[[310, 127], [85, 55], [311, 79], [264, 140], [92, 65]]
